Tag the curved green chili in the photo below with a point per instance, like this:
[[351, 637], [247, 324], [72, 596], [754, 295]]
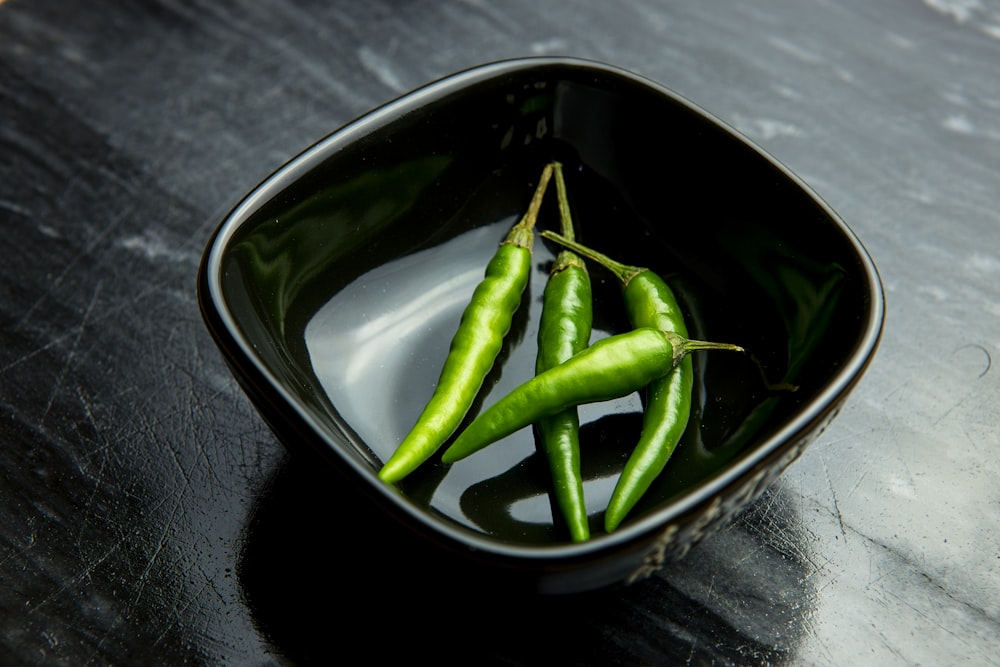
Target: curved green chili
[[649, 302], [563, 330], [610, 368], [474, 347]]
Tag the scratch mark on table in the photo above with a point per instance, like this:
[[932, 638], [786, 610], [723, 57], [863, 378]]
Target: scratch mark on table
[[986, 353], [104, 448], [144, 576], [936, 622], [82, 575], [857, 484], [988, 364], [70, 266], [71, 356], [836, 502]]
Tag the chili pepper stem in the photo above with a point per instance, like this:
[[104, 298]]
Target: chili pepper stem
[[565, 218], [523, 233], [565, 258], [685, 345], [623, 272]]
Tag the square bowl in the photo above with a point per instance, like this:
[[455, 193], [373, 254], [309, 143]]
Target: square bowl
[[333, 289]]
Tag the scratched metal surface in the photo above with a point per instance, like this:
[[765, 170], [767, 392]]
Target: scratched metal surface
[[147, 515]]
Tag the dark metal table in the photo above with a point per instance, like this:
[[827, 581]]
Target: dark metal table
[[147, 516]]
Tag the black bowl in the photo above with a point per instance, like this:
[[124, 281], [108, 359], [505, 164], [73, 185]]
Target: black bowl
[[333, 289]]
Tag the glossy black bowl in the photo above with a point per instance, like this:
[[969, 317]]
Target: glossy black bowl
[[334, 287]]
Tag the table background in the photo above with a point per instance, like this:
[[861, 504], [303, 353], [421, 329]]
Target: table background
[[148, 516]]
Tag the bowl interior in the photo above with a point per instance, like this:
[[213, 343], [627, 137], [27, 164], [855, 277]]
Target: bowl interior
[[343, 278]]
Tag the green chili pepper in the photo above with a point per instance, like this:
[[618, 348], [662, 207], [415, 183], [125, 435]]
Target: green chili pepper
[[564, 330], [610, 368], [649, 302], [474, 347]]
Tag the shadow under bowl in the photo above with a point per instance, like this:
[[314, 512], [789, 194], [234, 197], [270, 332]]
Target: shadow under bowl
[[334, 287]]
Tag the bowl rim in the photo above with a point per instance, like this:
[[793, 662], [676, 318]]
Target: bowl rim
[[239, 352]]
